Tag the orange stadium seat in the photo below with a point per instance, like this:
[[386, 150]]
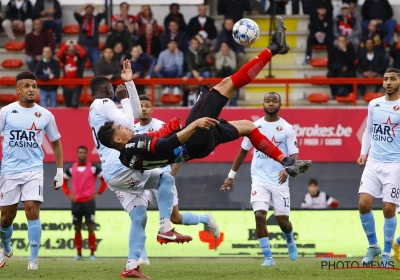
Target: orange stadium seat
[[319, 62], [345, 99], [320, 47], [398, 28], [170, 98], [103, 28], [12, 63], [319, 97], [102, 46], [372, 95], [60, 98], [8, 98], [15, 46], [71, 29]]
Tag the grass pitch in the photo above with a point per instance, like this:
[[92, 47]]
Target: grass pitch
[[191, 269]]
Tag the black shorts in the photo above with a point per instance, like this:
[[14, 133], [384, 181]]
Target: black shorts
[[83, 209], [209, 104]]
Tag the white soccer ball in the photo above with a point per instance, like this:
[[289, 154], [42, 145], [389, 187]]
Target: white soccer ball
[[246, 32]]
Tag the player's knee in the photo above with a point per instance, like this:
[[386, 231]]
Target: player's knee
[[389, 210], [364, 206], [260, 217], [139, 214], [283, 222], [167, 179], [32, 213], [6, 221]]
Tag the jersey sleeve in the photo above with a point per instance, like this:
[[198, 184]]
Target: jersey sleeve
[[107, 108], [51, 128], [3, 114], [367, 135], [292, 141], [246, 144], [98, 172]]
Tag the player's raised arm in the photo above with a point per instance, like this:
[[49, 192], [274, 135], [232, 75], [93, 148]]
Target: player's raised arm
[[126, 75]]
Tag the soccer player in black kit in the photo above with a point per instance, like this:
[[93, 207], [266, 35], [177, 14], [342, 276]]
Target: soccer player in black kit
[[173, 144]]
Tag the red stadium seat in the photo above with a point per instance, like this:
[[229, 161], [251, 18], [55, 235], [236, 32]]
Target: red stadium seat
[[372, 95], [320, 47], [12, 63], [19, 31], [398, 28], [15, 46], [170, 98], [319, 97], [88, 64], [102, 46], [319, 62], [60, 98], [160, 29], [345, 99], [8, 98], [103, 28], [71, 29]]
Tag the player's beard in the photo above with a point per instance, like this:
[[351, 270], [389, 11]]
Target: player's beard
[[29, 101], [273, 113], [394, 91]]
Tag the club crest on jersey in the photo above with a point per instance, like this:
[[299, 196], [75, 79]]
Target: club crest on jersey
[[151, 129], [133, 184], [279, 128], [37, 114], [253, 193], [396, 108]]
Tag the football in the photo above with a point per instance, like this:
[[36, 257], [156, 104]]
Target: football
[[246, 32]]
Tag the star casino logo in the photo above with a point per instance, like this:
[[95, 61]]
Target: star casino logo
[[25, 138], [384, 132], [133, 184]]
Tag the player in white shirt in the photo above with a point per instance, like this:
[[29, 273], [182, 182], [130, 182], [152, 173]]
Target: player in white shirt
[[148, 124], [21, 177], [270, 186], [381, 175], [129, 184]]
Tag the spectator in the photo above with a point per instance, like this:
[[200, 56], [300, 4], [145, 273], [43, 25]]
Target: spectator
[[225, 35], [394, 52], [89, 32], [352, 5], [119, 53], [139, 62], [170, 65], [35, 42], [18, 16], [48, 69], [175, 15], [341, 64], [119, 35], [346, 24], [1, 15], [382, 13], [296, 7], [196, 59], [278, 7], [316, 199], [317, 4], [107, 66], [151, 45], [233, 9], [202, 25], [144, 17], [371, 64], [375, 34], [320, 32], [225, 61], [128, 19], [49, 12], [173, 33], [70, 55]]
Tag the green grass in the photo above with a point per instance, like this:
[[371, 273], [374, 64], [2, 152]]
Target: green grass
[[191, 269]]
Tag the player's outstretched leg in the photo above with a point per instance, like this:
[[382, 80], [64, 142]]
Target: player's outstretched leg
[[396, 248], [165, 199], [137, 239], [7, 251], [368, 223], [189, 218], [34, 237]]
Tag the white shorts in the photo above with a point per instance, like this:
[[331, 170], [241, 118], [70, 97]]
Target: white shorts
[[24, 186], [133, 181], [131, 200], [264, 195], [382, 180], [152, 195]]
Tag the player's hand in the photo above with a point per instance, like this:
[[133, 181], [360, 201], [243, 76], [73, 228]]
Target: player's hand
[[228, 183], [95, 196], [206, 123], [71, 197], [126, 73], [283, 175], [58, 179], [121, 92], [361, 160]]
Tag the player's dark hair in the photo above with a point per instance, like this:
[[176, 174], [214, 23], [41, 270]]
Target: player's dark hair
[[106, 134], [273, 92], [145, 97], [124, 3], [83, 148], [26, 75], [98, 82], [393, 70], [313, 182]]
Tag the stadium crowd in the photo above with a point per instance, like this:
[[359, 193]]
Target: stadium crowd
[[360, 42]]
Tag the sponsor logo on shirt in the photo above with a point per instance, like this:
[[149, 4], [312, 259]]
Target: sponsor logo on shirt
[[133, 184], [133, 161], [25, 137], [384, 132], [14, 112]]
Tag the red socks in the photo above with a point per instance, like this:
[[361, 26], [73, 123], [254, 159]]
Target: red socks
[[263, 144], [92, 243], [251, 69], [78, 243]]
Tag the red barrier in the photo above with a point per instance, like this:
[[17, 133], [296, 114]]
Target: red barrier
[[324, 135]]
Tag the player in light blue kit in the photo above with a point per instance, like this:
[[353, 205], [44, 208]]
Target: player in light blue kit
[[21, 177], [148, 124], [270, 186], [381, 176], [128, 184]]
